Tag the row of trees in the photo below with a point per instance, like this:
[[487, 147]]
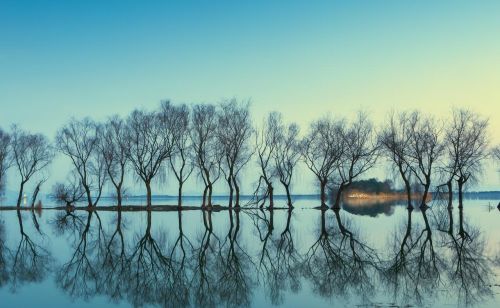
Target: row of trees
[[218, 141]]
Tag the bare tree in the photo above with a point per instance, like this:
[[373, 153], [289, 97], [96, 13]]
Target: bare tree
[[208, 155], [395, 140], [266, 141], [69, 192], [79, 140], [150, 143], [5, 159], [234, 131], [181, 159], [31, 154], [359, 155], [322, 150], [113, 146], [467, 146], [286, 155], [426, 147]]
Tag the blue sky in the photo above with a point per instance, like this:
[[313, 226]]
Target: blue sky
[[94, 58]]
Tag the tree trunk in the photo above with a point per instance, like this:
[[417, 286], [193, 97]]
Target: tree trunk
[[460, 194], [210, 190], [229, 183], [237, 190], [336, 205], [408, 193], [450, 194], [148, 194], [89, 197], [20, 197], [270, 189], [323, 192], [424, 196], [35, 194], [288, 196], [204, 196], [119, 196], [179, 195]]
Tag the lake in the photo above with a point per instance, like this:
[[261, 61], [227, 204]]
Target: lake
[[363, 255]]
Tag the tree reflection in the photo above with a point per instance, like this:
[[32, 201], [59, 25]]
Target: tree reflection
[[234, 284], [79, 276], [114, 274], [205, 251], [31, 262], [413, 268], [340, 263], [468, 270]]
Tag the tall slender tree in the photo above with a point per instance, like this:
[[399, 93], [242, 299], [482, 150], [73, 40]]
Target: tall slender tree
[[426, 148], [360, 153], [395, 139], [181, 161], [466, 146], [113, 146], [31, 154], [234, 131], [287, 155], [266, 141], [322, 150], [208, 155], [150, 142], [79, 140]]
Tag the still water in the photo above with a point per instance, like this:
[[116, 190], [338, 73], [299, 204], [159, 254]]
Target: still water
[[364, 255]]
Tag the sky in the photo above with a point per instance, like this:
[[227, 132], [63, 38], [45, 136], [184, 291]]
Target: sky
[[60, 59]]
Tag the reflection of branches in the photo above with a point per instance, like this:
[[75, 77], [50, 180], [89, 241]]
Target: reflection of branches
[[180, 280], [414, 269], [4, 274], [31, 262], [78, 277], [468, 271], [202, 279], [340, 263], [234, 283], [284, 272], [115, 264], [150, 272]]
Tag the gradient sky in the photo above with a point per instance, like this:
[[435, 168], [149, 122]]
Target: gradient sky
[[94, 58]]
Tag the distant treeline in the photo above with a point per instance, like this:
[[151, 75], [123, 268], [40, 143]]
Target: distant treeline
[[215, 142]]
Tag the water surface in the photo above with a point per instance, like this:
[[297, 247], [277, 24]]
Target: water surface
[[379, 255]]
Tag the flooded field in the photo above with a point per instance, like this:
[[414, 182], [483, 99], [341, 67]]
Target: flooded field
[[382, 255]]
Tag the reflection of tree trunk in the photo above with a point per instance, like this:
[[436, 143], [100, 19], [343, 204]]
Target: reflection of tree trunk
[[323, 222], [450, 194], [20, 197]]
